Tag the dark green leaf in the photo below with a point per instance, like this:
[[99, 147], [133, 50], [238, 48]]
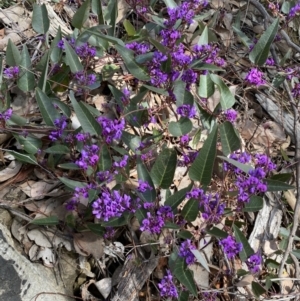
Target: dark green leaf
[[86, 119], [72, 59], [227, 99], [47, 221], [23, 157], [55, 51], [13, 56], [30, 144], [163, 170], [46, 106], [96, 32], [111, 16], [243, 167], [201, 259], [158, 45], [207, 37], [144, 175], [181, 127], [202, 168], [62, 106], [105, 160], [257, 289], [229, 138], [116, 221], [199, 65], [71, 183], [97, 10], [185, 234], [184, 296], [174, 200], [206, 86], [96, 228], [130, 30], [58, 149], [40, 20], [81, 15], [130, 63], [26, 80], [274, 185], [190, 210], [217, 232], [157, 90], [185, 276], [247, 250], [245, 40], [170, 225], [260, 52], [69, 166], [44, 76], [132, 141], [170, 3], [255, 204]]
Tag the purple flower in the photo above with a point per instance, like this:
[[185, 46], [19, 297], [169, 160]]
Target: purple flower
[[153, 223], [111, 129], [253, 263], [255, 77], [122, 163], [294, 11], [11, 72], [167, 287], [60, 124], [85, 51], [89, 156], [185, 251], [84, 79], [296, 90], [111, 204], [184, 140], [231, 247], [231, 115], [186, 111], [61, 44], [143, 186], [7, 114]]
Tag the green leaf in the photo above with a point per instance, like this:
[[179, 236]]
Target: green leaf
[[86, 119], [229, 138], [199, 65], [260, 52], [40, 20], [111, 16], [44, 76], [46, 221], [129, 28], [257, 289], [170, 3], [245, 40], [283, 177], [243, 167], [62, 106], [207, 37], [46, 107], [26, 80], [116, 221], [55, 51], [94, 31], [23, 157], [185, 234], [274, 185], [217, 232], [69, 166], [202, 168], [296, 253], [227, 99], [174, 200], [130, 63], [157, 90], [97, 10], [13, 56], [185, 276], [81, 15], [184, 296], [190, 210], [247, 250], [58, 149], [201, 259], [144, 175], [72, 59], [105, 160], [255, 204], [71, 183], [163, 170], [96, 228], [29, 143], [181, 127], [132, 141], [206, 86]]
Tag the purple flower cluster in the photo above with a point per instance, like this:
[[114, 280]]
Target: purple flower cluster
[[84, 51], [60, 124], [111, 204], [167, 286], [186, 111], [253, 263], [231, 115], [296, 90], [253, 182], [143, 186], [89, 156], [154, 222], [11, 72], [111, 129], [6, 115], [138, 48], [84, 79], [185, 139], [209, 204], [294, 11], [79, 192], [230, 246], [126, 96], [209, 54], [105, 176], [255, 77], [185, 251], [188, 158]]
